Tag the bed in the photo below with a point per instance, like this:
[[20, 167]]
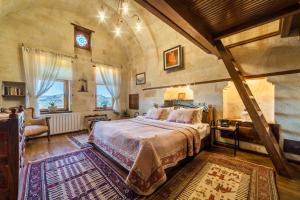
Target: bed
[[147, 147]]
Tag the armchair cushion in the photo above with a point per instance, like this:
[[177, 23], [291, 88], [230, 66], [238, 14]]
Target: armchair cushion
[[35, 130], [40, 121], [28, 115]]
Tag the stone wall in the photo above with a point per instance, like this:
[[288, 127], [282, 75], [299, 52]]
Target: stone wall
[[269, 55], [51, 29], [46, 24]]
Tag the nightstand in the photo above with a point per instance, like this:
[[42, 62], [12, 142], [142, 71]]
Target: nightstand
[[233, 130]]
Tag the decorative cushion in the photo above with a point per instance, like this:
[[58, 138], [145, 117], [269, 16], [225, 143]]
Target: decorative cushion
[[186, 116], [198, 115], [40, 121], [35, 130], [165, 113]]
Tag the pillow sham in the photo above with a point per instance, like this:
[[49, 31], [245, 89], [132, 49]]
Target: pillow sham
[[173, 115], [154, 113], [186, 116]]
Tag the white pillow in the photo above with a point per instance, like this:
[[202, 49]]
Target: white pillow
[[154, 113], [149, 112], [186, 116], [173, 115]]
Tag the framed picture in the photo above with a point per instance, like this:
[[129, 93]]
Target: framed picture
[[173, 58], [181, 96], [141, 78]]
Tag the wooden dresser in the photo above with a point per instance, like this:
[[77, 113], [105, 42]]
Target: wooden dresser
[[12, 143]]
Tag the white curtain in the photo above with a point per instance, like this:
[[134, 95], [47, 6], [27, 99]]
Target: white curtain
[[41, 70], [111, 78]]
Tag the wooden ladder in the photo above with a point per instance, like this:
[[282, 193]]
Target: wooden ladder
[[259, 121]]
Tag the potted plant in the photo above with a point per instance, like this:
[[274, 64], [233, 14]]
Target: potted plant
[[52, 106], [125, 113]]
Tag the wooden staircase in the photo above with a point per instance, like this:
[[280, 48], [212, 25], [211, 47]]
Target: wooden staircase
[[259, 121]]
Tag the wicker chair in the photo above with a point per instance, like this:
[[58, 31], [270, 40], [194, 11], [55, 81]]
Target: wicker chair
[[35, 126]]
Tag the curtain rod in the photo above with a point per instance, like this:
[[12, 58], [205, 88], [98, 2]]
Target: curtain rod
[[52, 51], [96, 62], [72, 56]]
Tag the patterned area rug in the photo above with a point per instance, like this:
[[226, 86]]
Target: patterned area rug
[[79, 139], [84, 174], [87, 174], [220, 177]]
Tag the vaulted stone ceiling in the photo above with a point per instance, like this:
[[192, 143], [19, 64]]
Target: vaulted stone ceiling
[[136, 45]]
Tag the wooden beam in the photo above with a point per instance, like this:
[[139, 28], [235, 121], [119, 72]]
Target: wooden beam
[[83, 28], [286, 25], [166, 13], [251, 76], [194, 83], [260, 21], [279, 73], [258, 119], [261, 37]]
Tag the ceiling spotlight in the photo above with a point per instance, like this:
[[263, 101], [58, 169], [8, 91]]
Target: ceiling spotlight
[[102, 16], [125, 8], [118, 31], [138, 26]]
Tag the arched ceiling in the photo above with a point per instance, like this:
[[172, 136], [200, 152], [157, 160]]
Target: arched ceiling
[[132, 42]]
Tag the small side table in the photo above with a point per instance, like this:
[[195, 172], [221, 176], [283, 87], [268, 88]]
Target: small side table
[[234, 129]]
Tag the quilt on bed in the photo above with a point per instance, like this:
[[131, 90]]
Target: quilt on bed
[[145, 148]]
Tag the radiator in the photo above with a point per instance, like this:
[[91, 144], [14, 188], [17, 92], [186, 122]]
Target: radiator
[[64, 122]]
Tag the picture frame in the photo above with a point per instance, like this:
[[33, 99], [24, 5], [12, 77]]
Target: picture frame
[[173, 58], [181, 96], [140, 78]]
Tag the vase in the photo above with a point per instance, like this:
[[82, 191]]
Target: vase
[[52, 109]]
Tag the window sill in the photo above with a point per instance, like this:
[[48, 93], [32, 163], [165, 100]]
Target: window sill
[[56, 112], [103, 109]]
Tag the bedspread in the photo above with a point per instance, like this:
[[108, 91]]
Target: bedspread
[[145, 148]]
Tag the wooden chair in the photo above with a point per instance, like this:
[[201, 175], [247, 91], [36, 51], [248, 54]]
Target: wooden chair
[[35, 126]]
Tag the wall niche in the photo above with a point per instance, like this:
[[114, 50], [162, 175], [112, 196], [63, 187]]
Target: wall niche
[[264, 93]]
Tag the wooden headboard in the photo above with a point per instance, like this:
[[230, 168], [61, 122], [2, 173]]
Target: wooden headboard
[[209, 112]]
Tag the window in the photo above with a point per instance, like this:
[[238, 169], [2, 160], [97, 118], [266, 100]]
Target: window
[[103, 98], [82, 37], [58, 93]]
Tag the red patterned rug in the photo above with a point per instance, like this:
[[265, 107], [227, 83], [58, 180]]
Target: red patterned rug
[[87, 174], [219, 177], [84, 174]]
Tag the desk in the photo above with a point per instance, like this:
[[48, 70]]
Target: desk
[[234, 130]]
